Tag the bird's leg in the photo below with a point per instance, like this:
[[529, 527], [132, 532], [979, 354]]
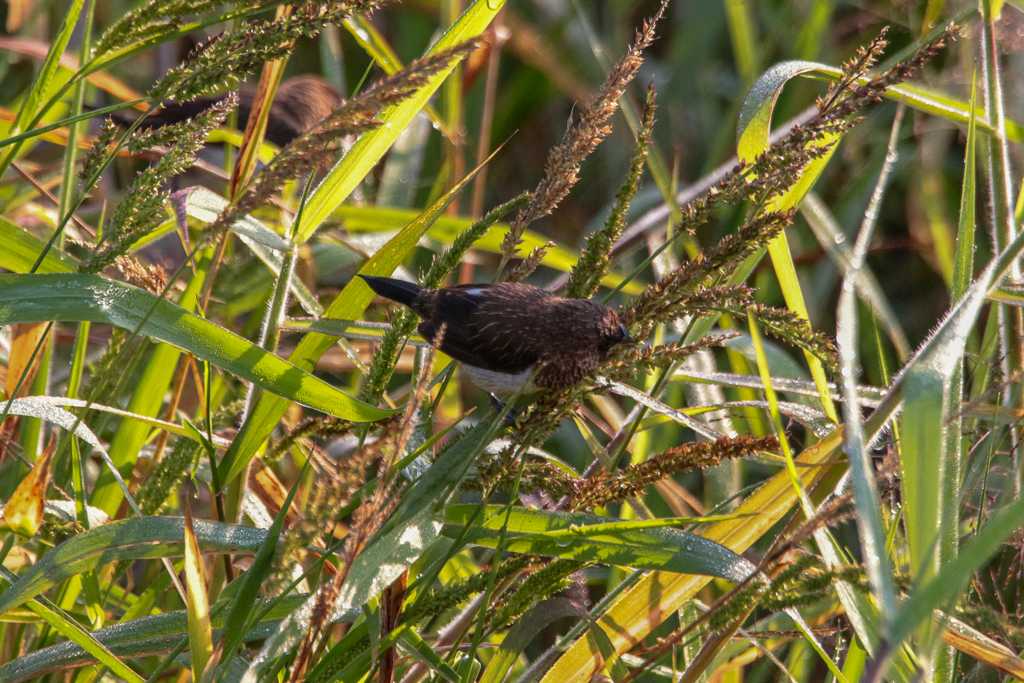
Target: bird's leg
[[499, 407]]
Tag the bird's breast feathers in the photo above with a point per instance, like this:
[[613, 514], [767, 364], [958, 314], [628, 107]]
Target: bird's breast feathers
[[500, 383]]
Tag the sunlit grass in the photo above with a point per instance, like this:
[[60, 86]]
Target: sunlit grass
[[223, 459]]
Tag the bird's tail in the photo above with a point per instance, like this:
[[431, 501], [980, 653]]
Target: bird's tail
[[397, 290]]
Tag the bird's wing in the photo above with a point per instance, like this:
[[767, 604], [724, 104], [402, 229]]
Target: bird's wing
[[478, 331], [453, 343]]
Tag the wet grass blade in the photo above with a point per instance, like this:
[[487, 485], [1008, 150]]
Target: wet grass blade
[[79, 297]]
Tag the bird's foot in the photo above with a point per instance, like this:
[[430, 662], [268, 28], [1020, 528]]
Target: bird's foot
[[500, 406]]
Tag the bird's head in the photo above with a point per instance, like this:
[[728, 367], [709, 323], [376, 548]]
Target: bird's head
[[613, 331]]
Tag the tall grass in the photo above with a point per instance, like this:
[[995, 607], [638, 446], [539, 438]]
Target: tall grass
[[223, 459]]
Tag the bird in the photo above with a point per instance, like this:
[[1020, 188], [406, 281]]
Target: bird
[[511, 337]]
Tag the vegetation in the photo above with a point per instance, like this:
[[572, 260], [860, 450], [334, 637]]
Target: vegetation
[[221, 458]]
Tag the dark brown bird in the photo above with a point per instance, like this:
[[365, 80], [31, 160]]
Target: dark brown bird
[[299, 104], [510, 336]]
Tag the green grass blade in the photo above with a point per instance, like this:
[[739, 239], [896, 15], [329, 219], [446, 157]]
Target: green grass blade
[[197, 602], [350, 304], [137, 538], [869, 519], [963, 271], [45, 83], [376, 45], [21, 249], [743, 32], [346, 175], [754, 130], [34, 298], [589, 538]]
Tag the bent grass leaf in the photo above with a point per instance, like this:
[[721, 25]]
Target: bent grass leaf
[[137, 538], [753, 133], [42, 407], [928, 101], [79, 297], [48, 408], [140, 637], [589, 538], [923, 99]]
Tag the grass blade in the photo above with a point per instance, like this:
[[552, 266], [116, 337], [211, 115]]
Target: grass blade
[[346, 175], [32, 298]]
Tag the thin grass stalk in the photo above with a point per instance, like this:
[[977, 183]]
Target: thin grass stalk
[[827, 545], [452, 97], [259, 115], [273, 318], [952, 475], [69, 121], [78, 354], [82, 332], [865, 490], [955, 324], [831, 238], [484, 136], [1004, 227], [742, 31]]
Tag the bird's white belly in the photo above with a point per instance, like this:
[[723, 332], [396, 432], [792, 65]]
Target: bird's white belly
[[499, 382]]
